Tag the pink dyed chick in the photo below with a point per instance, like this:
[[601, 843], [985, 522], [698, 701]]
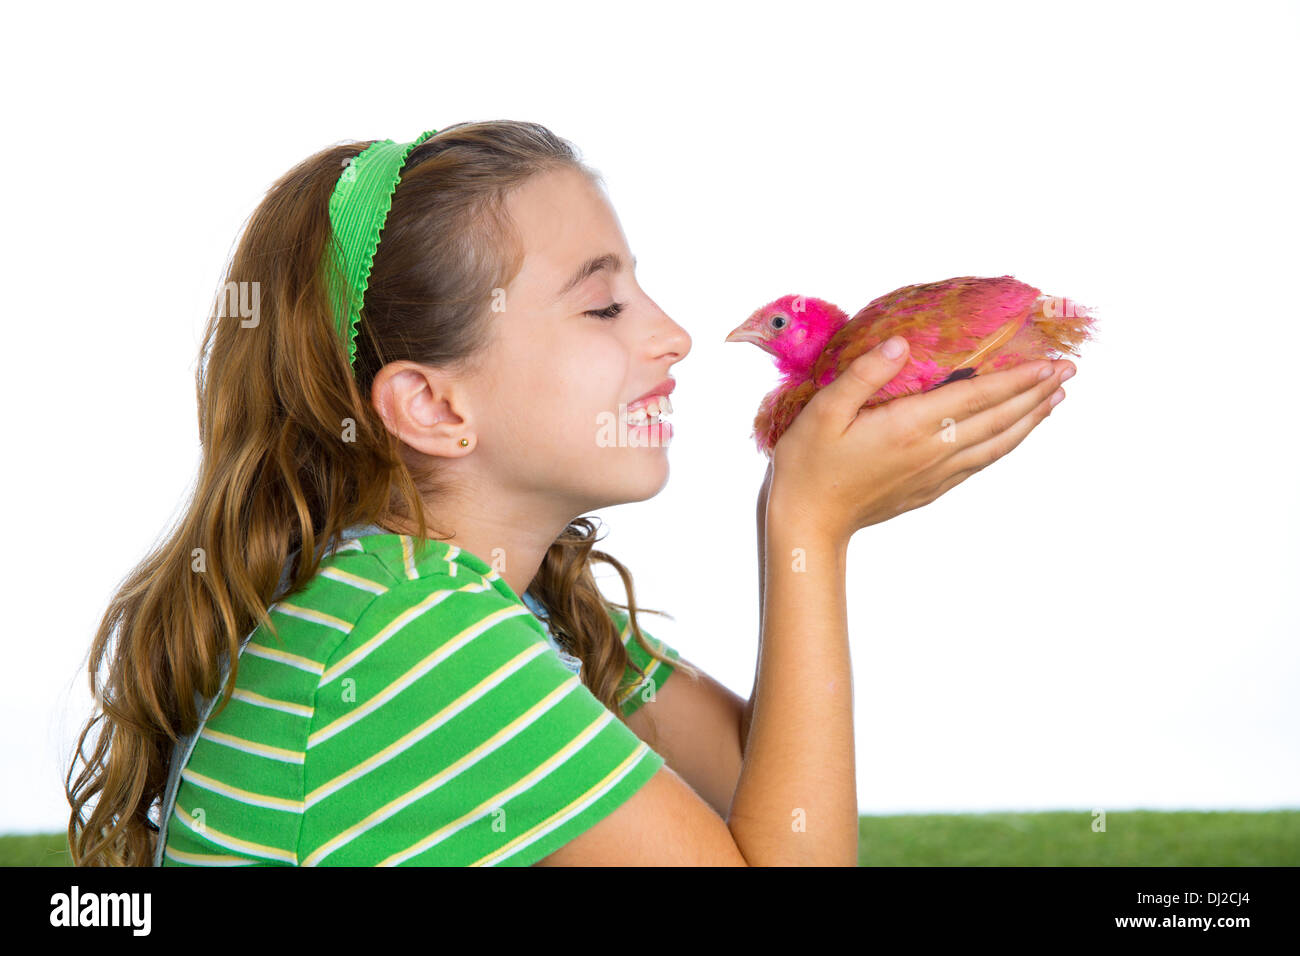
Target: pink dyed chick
[[955, 329]]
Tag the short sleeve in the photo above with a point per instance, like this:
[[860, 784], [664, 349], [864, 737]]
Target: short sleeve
[[447, 732], [656, 671]]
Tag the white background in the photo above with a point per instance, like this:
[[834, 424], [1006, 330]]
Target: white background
[[1105, 618]]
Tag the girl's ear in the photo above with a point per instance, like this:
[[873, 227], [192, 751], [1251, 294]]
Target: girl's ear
[[415, 405]]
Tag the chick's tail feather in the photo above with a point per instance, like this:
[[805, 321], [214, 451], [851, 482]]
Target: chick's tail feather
[[1053, 328]]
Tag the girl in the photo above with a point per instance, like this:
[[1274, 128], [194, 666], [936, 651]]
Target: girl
[[375, 638]]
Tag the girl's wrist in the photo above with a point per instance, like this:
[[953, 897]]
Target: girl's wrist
[[792, 520]]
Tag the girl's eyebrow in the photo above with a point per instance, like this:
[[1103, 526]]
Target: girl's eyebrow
[[608, 260]]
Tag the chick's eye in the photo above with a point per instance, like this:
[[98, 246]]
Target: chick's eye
[[778, 322], [608, 312]]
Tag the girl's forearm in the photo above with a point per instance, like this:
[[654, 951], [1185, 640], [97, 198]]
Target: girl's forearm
[[796, 799]]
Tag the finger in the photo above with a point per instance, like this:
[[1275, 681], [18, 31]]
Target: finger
[[979, 456], [991, 422], [964, 399], [842, 399]]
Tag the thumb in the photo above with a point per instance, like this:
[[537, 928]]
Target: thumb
[[862, 378]]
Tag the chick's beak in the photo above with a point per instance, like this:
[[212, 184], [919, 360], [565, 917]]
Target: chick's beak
[[742, 334]]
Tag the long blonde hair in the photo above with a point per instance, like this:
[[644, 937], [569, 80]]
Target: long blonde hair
[[274, 479]]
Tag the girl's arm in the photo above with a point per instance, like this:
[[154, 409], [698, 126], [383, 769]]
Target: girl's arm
[[796, 802]]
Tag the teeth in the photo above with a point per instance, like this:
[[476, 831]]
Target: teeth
[[651, 411]]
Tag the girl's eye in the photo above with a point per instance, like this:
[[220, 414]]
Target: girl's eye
[[608, 312]]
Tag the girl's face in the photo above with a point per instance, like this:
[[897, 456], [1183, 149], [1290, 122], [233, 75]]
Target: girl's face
[[549, 410]]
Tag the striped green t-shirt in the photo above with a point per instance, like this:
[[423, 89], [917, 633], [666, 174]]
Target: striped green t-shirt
[[413, 712]]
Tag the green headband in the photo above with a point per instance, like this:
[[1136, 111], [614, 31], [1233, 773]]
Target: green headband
[[358, 207]]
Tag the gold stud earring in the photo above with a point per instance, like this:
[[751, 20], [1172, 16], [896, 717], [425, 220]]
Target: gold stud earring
[[464, 443]]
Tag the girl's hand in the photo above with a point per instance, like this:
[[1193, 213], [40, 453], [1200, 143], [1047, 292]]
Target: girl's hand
[[840, 467]]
